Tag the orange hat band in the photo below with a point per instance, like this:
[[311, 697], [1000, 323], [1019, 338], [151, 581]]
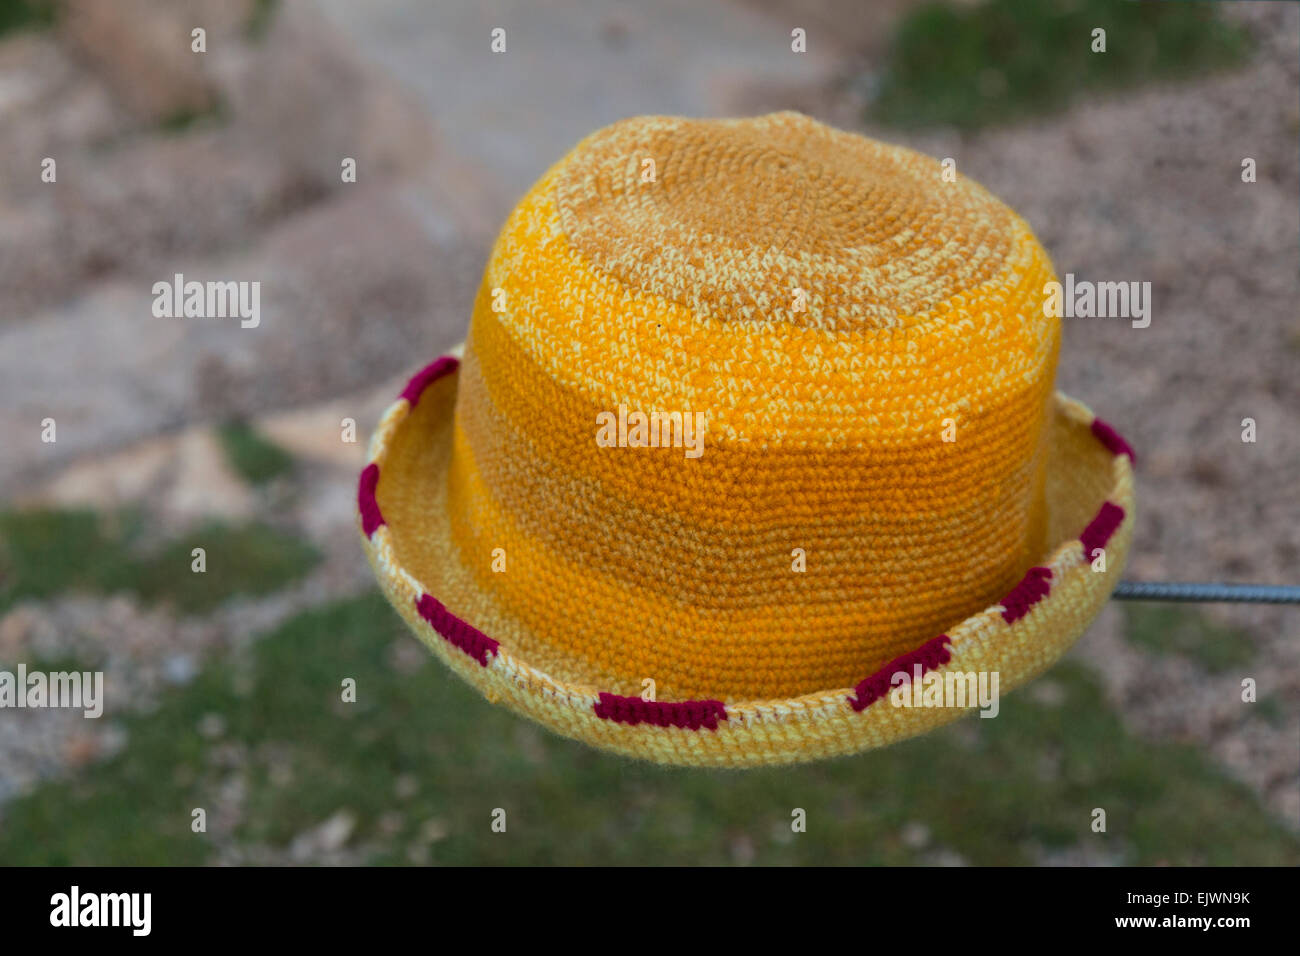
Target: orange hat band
[[1034, 587]]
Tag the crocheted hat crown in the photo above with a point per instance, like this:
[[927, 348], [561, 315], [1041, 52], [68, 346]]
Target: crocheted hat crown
[[864, 345]]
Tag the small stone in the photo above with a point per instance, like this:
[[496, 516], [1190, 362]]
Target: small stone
[[1049, 693], [80, 749], [336, 830], [742, 849], [180, 669], [329, 837], [418, 853], [406, 786], [433, 830], [212, 726], [915, 835]]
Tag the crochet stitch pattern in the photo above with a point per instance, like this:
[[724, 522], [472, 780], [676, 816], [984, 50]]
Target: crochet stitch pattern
[[826, 432]]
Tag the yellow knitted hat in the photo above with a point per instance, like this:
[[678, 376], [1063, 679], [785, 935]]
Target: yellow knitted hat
[[753, 416]]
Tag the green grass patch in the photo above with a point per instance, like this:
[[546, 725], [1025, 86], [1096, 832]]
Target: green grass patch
[[1169, 629], [421, 756], [48, 552], [26, 15], [256, 458], [187, 119], [1270, 710], [250, 559], [1006, 60], [260, 18]]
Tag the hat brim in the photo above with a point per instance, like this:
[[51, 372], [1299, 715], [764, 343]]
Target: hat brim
[[406, 532]]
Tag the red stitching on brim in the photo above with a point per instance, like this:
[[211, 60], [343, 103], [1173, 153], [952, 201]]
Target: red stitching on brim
[[371, 517], [930, 655], [687, 714], [427, 376], [1113, 440], [1033, 587], [1100, 529], [367, 504], [456, 632]]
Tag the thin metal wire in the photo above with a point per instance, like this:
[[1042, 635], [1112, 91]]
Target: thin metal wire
[[1182, 591]]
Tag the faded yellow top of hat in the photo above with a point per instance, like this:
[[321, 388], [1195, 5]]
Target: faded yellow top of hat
[[743, 211], [835, 309]]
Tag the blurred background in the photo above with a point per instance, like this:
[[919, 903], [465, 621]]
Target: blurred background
[[222, 689]]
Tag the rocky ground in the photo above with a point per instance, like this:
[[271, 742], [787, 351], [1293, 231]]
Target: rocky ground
[[227, 166]]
